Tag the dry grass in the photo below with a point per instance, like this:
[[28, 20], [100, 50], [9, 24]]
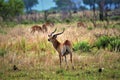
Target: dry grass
[[39, 53]]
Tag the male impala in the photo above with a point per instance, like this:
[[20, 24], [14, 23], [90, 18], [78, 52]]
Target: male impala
[[62, 49]]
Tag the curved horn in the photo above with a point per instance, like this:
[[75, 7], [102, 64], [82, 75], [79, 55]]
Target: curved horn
[[53, 32], [60, 32]]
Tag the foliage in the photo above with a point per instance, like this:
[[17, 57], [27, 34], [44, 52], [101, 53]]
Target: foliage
[[29, 4], [90, 28], [111, 43], [88, 2], [2, 52], [63, 4], [11, 8], [2, 31], [83, 46], [115, 18], [102, 42], [27, 22], [114, 44]]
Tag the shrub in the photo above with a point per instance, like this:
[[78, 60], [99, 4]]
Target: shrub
[[54, 20], [90, 28], [117, 25], [111, 43], [2, 52], [114, 44], [27, 22], [102, 42], [67, 21], [3, 32], [115, 18], [83, 46]]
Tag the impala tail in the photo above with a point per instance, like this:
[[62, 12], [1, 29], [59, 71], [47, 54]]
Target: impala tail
[[67, 42]]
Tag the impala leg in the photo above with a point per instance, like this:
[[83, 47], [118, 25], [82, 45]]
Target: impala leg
[[71, 60], [60, 60], [66, 62]]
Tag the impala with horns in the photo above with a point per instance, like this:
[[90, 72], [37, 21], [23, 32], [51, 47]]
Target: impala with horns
[[62, 48]]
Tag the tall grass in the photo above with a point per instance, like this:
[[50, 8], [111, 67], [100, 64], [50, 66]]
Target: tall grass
[[45, 66], [2, 52]]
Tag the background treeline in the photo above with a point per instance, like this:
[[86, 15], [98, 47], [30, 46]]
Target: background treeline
[[21, 10]]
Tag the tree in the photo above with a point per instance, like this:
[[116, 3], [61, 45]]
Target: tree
[[89, 2], [16, 7], [11, 8], [65, 5], [117, 3], [29, 4]]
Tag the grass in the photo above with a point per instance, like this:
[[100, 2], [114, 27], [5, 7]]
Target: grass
[[86, 70], [36, 58]]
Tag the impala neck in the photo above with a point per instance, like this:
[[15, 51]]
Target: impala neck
[[56, 43]]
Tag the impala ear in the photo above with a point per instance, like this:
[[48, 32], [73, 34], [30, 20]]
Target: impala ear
[[48, 35]]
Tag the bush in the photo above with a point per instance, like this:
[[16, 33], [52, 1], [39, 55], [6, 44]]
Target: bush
[[2, 52], [90, 28], [114, 44], [3, 32], [8, 24], [102, 42], [117, 25], [27, 22], [115, 18], [54, 20], [111, 43], [83, 46]]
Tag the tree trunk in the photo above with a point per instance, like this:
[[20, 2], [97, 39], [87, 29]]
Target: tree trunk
[[101, 10], [45, 15]]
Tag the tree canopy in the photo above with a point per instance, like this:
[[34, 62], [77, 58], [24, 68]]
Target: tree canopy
[[64, 4], [29, 4], [11, 8]]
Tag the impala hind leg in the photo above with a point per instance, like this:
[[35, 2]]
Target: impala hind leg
[[60, 61], [66, 62], [71, 60]]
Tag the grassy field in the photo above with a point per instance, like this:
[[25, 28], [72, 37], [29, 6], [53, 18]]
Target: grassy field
[[36, 59]]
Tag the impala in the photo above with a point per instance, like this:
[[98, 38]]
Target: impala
[[36, 28], [45, 25], [44, 28], [49, 24], [80, 24], [62, 48]]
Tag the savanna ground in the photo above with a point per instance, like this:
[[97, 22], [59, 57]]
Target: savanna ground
[[36, 58]]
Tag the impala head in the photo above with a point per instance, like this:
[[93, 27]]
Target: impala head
[[53, 36]]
